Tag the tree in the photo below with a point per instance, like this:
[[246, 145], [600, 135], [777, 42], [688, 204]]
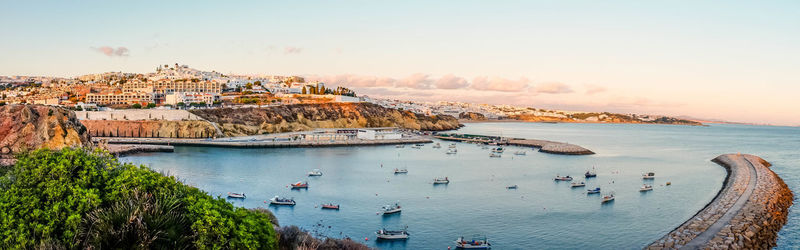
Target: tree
[[248, 86], [136, 106], [181, 104], [151, 105]]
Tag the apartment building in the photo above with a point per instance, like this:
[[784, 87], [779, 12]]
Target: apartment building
[[121, 98]]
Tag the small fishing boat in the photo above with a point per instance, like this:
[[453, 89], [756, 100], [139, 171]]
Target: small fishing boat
[[437, 145], [391, 209], [416, 147], [400, 171], [477, 242], [649, 176], [299, 185], [330, 206], [646, 188], [452, 151], [498, 150], [400, 146], [578, 184], [512, 187], [669, 183], [236, 195], [315, 172], [452, 145], [495, 155], [520, 152], [384, 234], [608, 198], [593, 191], [590, 173], [563, 178], [441, 181], [419, 144], [282, 201]]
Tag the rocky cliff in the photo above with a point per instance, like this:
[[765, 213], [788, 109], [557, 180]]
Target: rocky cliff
[[472, 116], [300, 117], [30, 127], [151, 128]]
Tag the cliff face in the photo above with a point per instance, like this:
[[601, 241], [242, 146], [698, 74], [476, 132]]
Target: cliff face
[[300, 117], [30, 127], [472, 116], [150, 128]]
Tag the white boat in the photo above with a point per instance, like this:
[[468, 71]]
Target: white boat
[[236, 195], [282, 201], [495, 155], [299, 185], [400, 146], [593, 191], [416, 147], [590, 173], [441, 181], [315, 172], [578, 184], [437, 145], [391, 209], [452, 145], [498, 150], [520, 152], [400, 171], [512, 187], [452, 151], [646, 188], [608, 198], [563, 178], [384, 234], [649, 176], [477, 242]]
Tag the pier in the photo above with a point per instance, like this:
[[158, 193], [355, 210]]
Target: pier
[[747, 212], [126, 149], [256, 143], [544, 146]]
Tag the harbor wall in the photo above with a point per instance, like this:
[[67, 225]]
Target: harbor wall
[[261, 143], [128, 149], [747, 212]]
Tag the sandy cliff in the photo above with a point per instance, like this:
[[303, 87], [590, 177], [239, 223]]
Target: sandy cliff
[[300, 117], [30, 127], [150, 128]]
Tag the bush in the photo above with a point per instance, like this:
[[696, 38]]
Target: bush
[[136, 106], [76, 198]]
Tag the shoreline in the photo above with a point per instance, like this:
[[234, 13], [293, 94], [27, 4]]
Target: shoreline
[[259, 143], [748, 211], [575, 122]]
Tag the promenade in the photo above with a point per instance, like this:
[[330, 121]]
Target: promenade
[[747, 213]]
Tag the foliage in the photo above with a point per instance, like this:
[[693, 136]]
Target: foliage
[[151, 105], [86, 199], [136, 106]]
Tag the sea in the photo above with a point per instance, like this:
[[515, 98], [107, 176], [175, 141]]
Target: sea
[[540, 214]]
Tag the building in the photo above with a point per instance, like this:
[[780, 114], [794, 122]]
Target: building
[[191, 97], [378, 134], [121, 98]]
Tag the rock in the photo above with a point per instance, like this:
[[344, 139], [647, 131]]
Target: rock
[[31, 127]]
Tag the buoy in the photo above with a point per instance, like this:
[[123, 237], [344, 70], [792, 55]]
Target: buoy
[[366, 238]]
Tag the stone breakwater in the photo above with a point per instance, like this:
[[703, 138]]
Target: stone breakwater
[[747, 213], [128, 149], [552, 147]]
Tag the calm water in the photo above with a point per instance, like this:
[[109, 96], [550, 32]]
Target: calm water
[[540, 214]]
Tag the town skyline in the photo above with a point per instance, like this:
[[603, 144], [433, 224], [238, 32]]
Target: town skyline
[[731, 62]]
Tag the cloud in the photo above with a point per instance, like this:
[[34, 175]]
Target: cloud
[[451, 81], [109, 51], [499, 84], [552, 88], [350, 80], [592, 89], [292, 50], [415, 81]]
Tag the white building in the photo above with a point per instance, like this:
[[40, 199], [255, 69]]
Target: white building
[[378, 134], [191, 97]]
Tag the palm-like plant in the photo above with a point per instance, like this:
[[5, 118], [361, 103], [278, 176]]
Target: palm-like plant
[[143, 221]]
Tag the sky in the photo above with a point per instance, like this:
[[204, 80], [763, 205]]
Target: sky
[[729, 60]]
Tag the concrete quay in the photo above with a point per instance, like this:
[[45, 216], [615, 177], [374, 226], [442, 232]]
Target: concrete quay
[[127, 149], [233, 142], [747, 213]]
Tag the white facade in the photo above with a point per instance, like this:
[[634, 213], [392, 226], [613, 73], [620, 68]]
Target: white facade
[[190, 97], [370, 134]]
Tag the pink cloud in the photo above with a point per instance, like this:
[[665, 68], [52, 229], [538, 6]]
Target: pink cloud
[[552, 88], [109, 51], [592, 89], [451, 81], [292, 50], [350, 80], [500, 84], [415, 81]]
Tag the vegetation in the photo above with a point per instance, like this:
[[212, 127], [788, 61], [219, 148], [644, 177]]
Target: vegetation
[[76, 198]]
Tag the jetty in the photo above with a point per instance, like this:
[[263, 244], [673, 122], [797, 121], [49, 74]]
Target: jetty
[[746, 213], [127, 149], [544, 146], [233, 142]]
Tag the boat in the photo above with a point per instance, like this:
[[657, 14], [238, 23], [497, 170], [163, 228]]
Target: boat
[[590, 173], [452, 145], [299, 185], [315, 172], [452, 151], [512, 187], [669, 183], [416, 147], [593, 191], [495, 155], [563, 178], [236, 195], [498, 150], [330, 206], [400, 146], [391, 209], [646, 188], [400, 171], [477, 242], [608, 198], [441, 181], [649, 176], [519, 152], [578, 184], [437, 145], [419, 144], [282, 201], [384, 234]]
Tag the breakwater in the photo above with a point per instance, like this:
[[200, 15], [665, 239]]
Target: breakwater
[[127, 149], [544, 146], [747, 213], [228, 142]]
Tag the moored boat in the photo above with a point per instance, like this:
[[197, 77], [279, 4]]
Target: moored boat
[[512, 187], [649, 176], [520, 152], [444, 180], [299, 185], [593, 191], [498, 150], [391, 209], [452, 145], [646, 188], [400, 171], [495, 155], [563, 178], [590, 173], [477, 242], [400, 146], [437, 145], [452, 151], [330, 206], [416, 147], [608, 198], [315, 172], [384, 234], [237, 195], [282, 201], [578, 184]]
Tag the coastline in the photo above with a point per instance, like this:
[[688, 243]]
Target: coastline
[[580, 122], [748, 211]]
